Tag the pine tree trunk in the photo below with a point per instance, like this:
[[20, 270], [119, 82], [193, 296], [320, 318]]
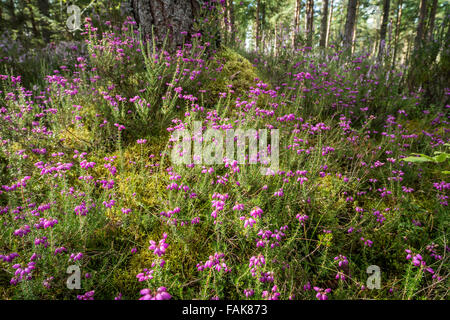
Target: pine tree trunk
[[166, 18], [309, 22], [230, 16], [329, 24], [350, 23], [355, 28], [275, 49], [431, 20], [324, 24], [223, 23], [386, 6], [398, 23], [296, 22], [263, 33], [258, 25], [420, 25]]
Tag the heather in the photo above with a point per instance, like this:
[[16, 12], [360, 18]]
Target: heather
[[87, 178]]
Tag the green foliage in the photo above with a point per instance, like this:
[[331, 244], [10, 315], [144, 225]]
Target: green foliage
[[439, 157]]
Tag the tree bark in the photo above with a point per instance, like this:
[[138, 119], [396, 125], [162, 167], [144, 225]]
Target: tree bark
[[329, 24], [309, 22], [409, 51], [386, 6], [324, 24], [420, 25], [355, 27], [398, 22], [295, 32], [431, 20], [167, 18], [262, 26], [275, 48], [350, 23], [258, 25], [230, 17]]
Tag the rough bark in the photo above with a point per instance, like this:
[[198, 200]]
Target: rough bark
[[350, 23], [309, 22], [421, 24], [166, 18], [386, 6], [324, 24]]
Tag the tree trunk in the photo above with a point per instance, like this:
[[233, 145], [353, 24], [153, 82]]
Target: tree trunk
[[276, 39], [296, 22], [431, 20], [230, 15], [228, 21], [355, 27], [309, 22], [223, 22], [386, 5], [420, 25], [329, 24], [409, 51], [350, 23], [262, 24], [166, 18], [258, 25], [398, 23], [324, 24]]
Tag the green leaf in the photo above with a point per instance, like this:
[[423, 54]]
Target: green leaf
[[441, 158], [417, 159]]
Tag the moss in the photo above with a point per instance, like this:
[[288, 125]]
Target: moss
[[76, 137], [235, 70]]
